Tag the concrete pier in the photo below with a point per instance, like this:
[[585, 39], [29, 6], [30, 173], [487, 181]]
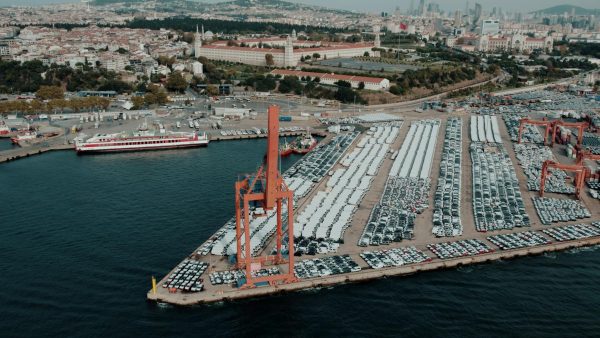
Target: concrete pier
[[187, 299]]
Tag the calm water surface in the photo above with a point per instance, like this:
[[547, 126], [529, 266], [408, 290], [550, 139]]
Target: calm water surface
[[81, 236]]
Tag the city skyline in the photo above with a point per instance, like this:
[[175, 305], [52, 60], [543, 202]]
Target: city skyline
[[386, 5]]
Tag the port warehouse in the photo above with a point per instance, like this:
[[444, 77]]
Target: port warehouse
[[387, 201]]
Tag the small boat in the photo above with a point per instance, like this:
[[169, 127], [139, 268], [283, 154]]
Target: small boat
[[304, 143], [285, 149], [30, 135]]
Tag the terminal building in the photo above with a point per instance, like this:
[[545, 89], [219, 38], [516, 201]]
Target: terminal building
[[284, 52], [371, 83], [497, 43]]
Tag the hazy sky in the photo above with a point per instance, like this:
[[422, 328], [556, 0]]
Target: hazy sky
[[389, 5]]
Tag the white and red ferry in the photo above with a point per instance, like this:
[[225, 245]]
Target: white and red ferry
[[140, 140]]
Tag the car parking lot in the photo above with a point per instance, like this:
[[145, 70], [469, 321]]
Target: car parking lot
[[393, 218], [497, 201], [468, 247], [186, 276], [303, 175], [531, 133], [394, 257], [326, 266], [573, 232], [234, 277], [531, 158], [552, 210], [518, 240], [447, 200], [330, 212]]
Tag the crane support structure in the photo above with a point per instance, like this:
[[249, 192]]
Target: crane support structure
[[583, 155], [545, 123], [578, 169], [265, 191], [581, 128]]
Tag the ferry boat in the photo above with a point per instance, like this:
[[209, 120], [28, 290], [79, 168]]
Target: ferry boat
[[4, 130], [141, 140]]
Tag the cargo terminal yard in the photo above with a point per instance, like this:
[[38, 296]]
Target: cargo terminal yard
[[390, 190], [405, 191]]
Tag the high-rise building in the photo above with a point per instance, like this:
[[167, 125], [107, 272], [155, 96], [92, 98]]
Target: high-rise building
[[421, 7], [477, 14], [490, 26], [457, 18], [411, 9]]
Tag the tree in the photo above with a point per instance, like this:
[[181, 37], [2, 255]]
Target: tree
[[138, 102], [290, 84], [50, 92], [269, 59], [396, 90], [212, 90], [366, 54], [316, 56], [176, 82], [342, 83], [361, 85]]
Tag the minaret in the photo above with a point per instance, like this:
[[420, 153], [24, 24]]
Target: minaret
[[289, 53], [376, 30], [203, 37], [294, 35], [197, 42]]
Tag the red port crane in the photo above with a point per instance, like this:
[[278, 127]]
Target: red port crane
[[578, 169], [545, 123], [581, 128], [583, 155], [265, 190]]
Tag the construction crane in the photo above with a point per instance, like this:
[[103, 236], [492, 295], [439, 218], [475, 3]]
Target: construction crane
[[581, 128], [578, 169], [545, 123], [265, 191]]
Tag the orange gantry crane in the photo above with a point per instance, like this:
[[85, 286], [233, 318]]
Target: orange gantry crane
[[583, 155], [545, 123], [265, 191], [578, 169], [581, 128]]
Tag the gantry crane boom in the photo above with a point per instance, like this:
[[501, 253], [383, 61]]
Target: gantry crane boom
[[267, 190], [545, 123], [579, 171]]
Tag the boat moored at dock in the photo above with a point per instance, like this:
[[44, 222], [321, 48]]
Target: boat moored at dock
[[138, 141]]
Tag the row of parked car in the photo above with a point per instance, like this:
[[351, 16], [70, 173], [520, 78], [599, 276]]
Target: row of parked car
[[312, 168], [326, 266], [186, 276], [394, 257], [518, 240], [531, 133], [573, 231], [447, 200], [393, 218], [235, 276], [497, 201], [531, 158], [463, 248], [329, 213], [307, 246], [552, 210]]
